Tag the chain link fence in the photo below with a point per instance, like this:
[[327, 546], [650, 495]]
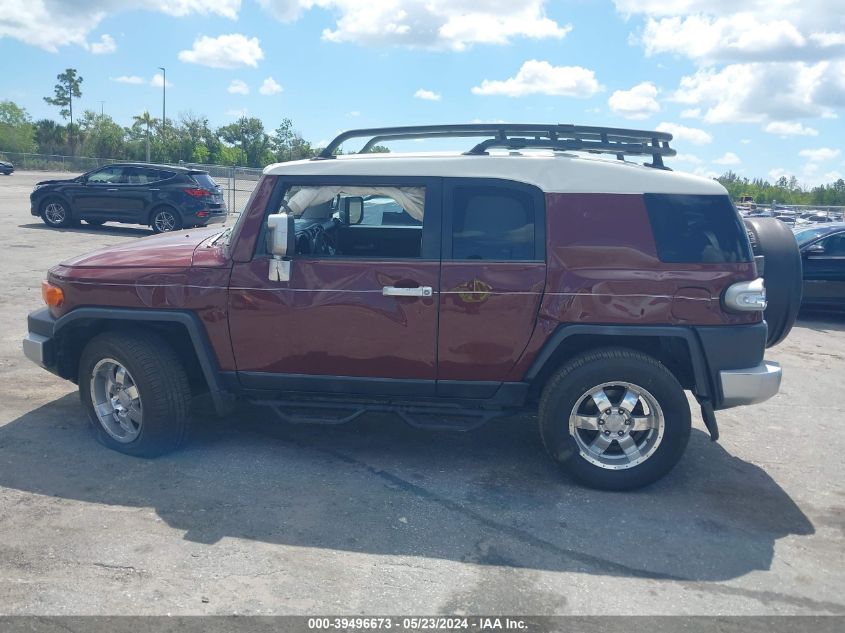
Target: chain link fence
[[238, 183]]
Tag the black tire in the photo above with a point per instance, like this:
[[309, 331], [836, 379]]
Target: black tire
[[782, 274], [162, 384], [50, 213], [576, 380], [95, 222], [161, 212]]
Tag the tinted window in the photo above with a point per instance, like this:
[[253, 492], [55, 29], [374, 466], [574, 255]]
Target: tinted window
[[492, 223], [107, 175], [697, 229], [834, 246], [140, 175], [385, 211], [204, 180], [807, 235]]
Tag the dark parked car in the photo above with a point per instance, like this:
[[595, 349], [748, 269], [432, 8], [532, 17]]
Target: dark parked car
[[823, 251], [164, 197], [448, 289], [6, 168]]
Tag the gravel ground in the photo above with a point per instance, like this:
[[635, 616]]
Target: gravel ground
[[256, 517]]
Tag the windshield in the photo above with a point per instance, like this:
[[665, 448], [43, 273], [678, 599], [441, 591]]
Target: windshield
[[808, 235]]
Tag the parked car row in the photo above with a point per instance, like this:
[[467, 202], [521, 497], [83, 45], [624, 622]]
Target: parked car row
[[164, 197]]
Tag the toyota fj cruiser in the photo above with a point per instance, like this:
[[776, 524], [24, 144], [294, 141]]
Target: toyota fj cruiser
[[448, 288]]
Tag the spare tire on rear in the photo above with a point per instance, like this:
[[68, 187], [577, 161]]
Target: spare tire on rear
[[782, 274]]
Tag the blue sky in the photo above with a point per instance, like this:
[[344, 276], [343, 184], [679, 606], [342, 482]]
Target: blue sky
[[750, 85]]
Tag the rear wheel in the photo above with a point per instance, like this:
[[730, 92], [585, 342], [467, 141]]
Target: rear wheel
[[136, 392], [782, 274], [55, 213], [615, 419], [164, 220]]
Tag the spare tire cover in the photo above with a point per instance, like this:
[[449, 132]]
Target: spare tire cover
[[782, 274]]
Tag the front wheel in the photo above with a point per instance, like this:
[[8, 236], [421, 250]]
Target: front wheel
[[55, 213], [615, 419], [136, 393], [165, 220]]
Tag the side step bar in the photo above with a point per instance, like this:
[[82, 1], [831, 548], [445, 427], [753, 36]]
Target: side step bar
[[454, 418]]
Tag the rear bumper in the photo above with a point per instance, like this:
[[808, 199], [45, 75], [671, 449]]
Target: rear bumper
[[751, 385], [215, 218]]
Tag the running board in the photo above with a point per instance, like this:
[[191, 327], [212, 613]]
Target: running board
[[418, 416]]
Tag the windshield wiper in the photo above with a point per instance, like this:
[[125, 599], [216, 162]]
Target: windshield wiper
[[221, 236]]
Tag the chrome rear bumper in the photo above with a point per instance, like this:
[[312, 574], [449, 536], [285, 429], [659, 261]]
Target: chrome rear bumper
[[750, 386]]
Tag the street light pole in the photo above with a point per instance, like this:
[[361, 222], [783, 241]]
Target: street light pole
[[163, 97], [102, 109]]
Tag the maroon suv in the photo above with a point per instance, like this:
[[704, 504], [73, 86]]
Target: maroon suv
[[449, 288]]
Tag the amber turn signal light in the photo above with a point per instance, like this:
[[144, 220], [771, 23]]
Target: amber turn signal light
[[53, 295]]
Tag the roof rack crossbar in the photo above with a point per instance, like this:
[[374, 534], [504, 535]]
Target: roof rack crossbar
[[557, 137]]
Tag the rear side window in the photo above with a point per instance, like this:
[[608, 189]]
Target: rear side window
[[492, 223], [697, 229], [204, 180]]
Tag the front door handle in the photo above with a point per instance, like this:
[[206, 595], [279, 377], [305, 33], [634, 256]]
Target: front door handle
[[420, 291]]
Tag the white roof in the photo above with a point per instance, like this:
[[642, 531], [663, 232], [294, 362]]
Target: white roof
[[552, 173]]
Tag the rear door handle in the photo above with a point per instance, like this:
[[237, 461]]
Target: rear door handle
[[393, 291], [111, 190]]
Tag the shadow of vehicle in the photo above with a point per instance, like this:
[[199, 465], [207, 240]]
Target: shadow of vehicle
[[822, 320], [380, 487], [114, 229]]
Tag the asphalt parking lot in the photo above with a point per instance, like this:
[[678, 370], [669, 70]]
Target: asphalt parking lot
[[256, 517]]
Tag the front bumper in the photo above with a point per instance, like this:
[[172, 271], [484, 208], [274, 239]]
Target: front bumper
[[38, 344], [751, 385]]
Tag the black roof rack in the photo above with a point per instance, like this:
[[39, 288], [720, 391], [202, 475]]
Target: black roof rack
[[559, 137]]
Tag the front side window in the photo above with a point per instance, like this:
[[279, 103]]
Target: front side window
[[834, 246], [356, 221], [107, 175], [493, 223]]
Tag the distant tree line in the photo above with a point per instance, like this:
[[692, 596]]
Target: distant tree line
[[784, 190], [190, 138]]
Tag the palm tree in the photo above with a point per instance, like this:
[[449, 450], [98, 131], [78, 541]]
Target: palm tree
[[149, 121]]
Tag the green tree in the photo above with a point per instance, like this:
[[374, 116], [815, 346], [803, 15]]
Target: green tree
[[50, 137], [16, 129], [288, 144], [101, 136], [249, 135], [66, 89], [147, 121]]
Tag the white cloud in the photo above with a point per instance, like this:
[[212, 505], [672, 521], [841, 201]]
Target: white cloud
[[105, 46], [778, 173], [746, 93], [692, 159], [52, 24], [820, 155], [238, 87], [270, 87], [540, 77], [639, 102], [427, 95], [746, 141], [128, 79], [730, 31], [729, 158], [435, 24], [691, 113], [224, 51], [237, 113], [681, 133], [787, 128], [158, 81]]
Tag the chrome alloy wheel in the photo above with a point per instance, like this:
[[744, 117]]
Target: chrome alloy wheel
[[116, 400], [55, 213], [617, 425], [164, 221]]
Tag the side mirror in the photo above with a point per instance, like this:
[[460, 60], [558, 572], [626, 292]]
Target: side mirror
[[353, 210], [815, 249], [282, 234]]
